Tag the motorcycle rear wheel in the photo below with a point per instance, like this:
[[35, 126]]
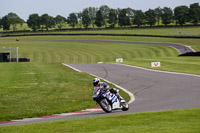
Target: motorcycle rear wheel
[[105, 105]]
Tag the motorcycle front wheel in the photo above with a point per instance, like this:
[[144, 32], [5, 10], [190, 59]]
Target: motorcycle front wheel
[[125, 106], [105, 105]]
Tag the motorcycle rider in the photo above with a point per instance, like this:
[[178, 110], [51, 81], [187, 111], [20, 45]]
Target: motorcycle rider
[[104, 86]]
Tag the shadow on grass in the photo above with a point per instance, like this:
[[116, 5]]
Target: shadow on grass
[[191, 54]]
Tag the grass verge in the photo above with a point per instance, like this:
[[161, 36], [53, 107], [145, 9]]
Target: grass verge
[[178, 31], [37, 89], [194, 43], [189, 65], [176, 121]]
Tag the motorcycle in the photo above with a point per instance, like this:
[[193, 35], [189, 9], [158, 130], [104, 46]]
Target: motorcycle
[[109, 101]]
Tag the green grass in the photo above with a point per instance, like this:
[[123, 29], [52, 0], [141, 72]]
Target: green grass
[[176, 121], [195, 31], [86, 52], [36, 89], [92, 52], [173, 64], [180, 31], [194, 43]]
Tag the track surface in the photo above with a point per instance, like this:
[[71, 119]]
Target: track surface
[[153, 90]]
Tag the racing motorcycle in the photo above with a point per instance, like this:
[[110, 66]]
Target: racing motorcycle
[[109, 101]]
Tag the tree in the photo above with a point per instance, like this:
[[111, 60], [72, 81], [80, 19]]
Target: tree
[[60, 21], [139, 18], [158, 13], [85, 18], [1, 23], [98, 19], [72, 20], [34, 21], [150, 17], [124, 20], [5, 23], [92, 14], [80, 17], [47, 21], [181, 14], [11, 19], [118, 10], [194, 13], [105, 13], [112, 18], [14, 19], [167, 15], [130, 14]]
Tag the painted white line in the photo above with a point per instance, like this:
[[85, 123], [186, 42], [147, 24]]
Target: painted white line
[[66, 114], [99, 62], [27, 119], [158, 70], [17, 120], [132, 98], [92, 110], [190, 47], [71, 67]]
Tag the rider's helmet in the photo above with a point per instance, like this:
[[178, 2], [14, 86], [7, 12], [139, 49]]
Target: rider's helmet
[[96, 81]]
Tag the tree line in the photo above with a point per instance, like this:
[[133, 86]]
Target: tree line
[[108, 18]]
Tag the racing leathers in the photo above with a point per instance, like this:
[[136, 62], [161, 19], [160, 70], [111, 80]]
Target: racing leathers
[[105, 87]]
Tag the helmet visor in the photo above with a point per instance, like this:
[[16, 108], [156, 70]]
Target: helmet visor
[[95, 83]]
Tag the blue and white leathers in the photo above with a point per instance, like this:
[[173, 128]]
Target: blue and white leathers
[[107, 100]]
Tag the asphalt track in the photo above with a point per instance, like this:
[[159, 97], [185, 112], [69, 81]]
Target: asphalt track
[[153, 90]]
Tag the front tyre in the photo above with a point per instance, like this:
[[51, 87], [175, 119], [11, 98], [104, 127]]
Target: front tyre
[[105, 105], [125, 106]]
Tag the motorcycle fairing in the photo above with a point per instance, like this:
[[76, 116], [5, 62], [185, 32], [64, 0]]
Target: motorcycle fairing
[[113, 98]]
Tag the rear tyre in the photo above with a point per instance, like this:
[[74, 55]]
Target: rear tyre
[[105, 105]]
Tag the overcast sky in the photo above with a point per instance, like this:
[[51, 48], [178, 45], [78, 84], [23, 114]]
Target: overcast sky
[[23, 8]]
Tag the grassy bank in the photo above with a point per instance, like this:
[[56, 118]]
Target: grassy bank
[[86, 52], [36, 89], [173, 64], [165, 31], [92, 52], [194, 31], [194, 43], [154, 122]]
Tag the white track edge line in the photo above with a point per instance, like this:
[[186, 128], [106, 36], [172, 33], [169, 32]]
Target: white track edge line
[[177, 73], [71, 67]]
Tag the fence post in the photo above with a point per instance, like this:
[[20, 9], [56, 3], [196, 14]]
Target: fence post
[[17, 53]]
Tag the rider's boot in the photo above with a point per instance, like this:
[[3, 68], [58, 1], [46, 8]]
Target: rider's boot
[[116, 91], [121, 99]]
